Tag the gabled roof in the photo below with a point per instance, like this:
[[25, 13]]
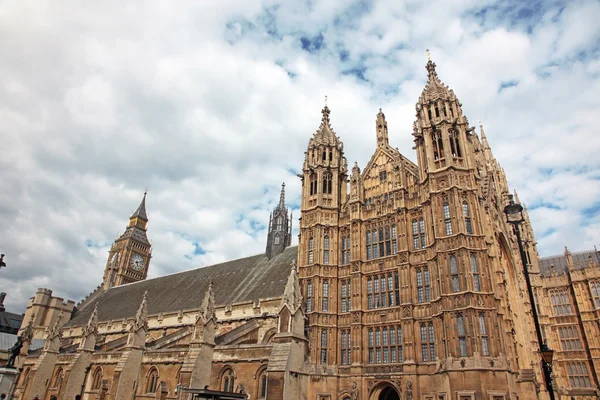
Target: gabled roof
[[245, 279]]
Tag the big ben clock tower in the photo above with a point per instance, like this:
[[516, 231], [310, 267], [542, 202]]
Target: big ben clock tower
[[130, 254]]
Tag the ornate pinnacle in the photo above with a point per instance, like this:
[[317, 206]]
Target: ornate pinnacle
[[282, 196]]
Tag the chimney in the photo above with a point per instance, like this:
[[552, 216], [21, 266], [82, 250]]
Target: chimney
[[2, 296]]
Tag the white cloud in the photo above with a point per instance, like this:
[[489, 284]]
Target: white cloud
[[211, 105]]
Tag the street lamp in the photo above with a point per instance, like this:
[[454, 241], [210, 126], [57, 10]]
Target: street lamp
[[514, 216]]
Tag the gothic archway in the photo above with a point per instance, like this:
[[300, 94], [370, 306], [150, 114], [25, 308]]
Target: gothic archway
[[386, 391]]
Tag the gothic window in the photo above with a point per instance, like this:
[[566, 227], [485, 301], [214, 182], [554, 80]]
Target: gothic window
[[385, 345], [276, 241], [427, 341], [346, 254], [429, 113], [326, 249], [423, 286], [369, 253], [310, 250], [152, 380], [444, 110], [330, 155], [371, 344], [454, 144], [97, 379], [595, 288], [279, 223], [382, 176], [58, 378], [346, 293], [344, 250], [309, 296], [375, 240], [569, 338], [324, 155], [485, 349], [418, 228], [377, 346], [383, 290], [462, 335], [561, 302], [313, 184], [399, 344], [467, 215], [475, 273], [369, 293], [325, 299], [262, 382], [327, 183], [578, 374], [454, 274], [394, 240], [447, 220], [324, 346], [346, 345], [440, 143], [436, 142]]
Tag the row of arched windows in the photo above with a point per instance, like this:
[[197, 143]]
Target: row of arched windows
[[437, 144], [466, 216], [326, 186]]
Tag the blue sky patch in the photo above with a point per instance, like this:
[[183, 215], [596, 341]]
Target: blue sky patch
[[507, 84], [312, 45]]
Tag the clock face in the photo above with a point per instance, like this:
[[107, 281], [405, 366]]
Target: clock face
[[137, 262]]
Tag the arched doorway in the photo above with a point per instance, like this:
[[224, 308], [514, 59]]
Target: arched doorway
[[389, 393], [385, 392]]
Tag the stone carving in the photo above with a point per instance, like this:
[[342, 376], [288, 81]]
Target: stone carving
[[408, 394]]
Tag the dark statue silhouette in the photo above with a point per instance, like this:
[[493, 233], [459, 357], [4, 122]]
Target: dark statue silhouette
[[14, 352]]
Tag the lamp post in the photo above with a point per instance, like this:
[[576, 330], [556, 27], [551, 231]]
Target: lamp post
[[514, 216]]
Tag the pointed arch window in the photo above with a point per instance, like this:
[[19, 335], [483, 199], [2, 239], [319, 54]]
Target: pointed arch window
[[310, 250], [325, 300], [326, 249], [475, 272], [447, 219], [276, 240], [485, 348], [595, 288], [152, 380], [454, 274], [462, 336], [375, 240], [369, 293], [313, 184], [346, 254], [346, 345], [418, 228], [437, 145], [346, 294], [327, 177], [394, 240], [227, 380], [455, 144], [423, 285], [309, 296], [262, 382], [324, 346], [97, 379], [58, 378], [279, 223], [369, 250], [467, 215], [427, 342]]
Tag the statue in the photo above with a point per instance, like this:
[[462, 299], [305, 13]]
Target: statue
[[408, 395], [14, 352], [354, 391]]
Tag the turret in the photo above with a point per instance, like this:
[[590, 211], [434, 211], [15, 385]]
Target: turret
[[280, 227]]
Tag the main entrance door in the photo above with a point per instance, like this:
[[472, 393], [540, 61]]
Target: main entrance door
[[389, 393]]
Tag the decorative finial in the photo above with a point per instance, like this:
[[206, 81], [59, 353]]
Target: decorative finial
[[428, 53], [146, 191], [325, 100]]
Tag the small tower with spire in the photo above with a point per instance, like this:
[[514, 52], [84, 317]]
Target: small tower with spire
[[129, 256], [280, 227]]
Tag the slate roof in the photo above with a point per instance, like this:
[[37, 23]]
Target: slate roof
[[580, 260], [10, 322], [245, 279], [141, 210], [7, 340]]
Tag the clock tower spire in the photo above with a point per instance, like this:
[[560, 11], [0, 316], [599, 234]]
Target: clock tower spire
[[129, 256]]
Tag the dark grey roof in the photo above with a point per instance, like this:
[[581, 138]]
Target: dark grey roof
[[581, 260], [10, 322], [245, 279], [141, 210]]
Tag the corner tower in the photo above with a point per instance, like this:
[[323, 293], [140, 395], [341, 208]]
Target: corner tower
[[129, 256], [280, 227]]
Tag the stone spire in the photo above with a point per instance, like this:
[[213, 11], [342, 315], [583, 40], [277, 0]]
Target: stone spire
[[92, 325], [141, 210], [141, 316], [381, 129], [292, 295], [484, 140], [207, 309], [280, 227], [516, 196], [282, 196]]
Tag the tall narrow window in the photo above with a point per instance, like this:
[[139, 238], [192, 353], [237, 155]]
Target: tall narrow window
[[375, 240], [263, 385], [475, 272], [313, 184], [454, 143], [394, 240], [595, 288], [561, 302], [326, 249], [369, 293], [346, 295], [569, 338], [440, 143], [324, 346], [397, 287], [371, 344], [485, 349], [327, 183], [418, 234], [388, 241], [400, 342], [325, 298], [462, 336], [97, 381], [427, 342], [422, 232], [343, 344], [423, 288], [348, 249], [454, 274], [376, 291], [152, 381], [368, 241], [377, 346], [447, 220], [434, 144], [467, 215], [310, 250], [344, 250], [309, 296], [228, 381], [382, 176], [346, 345]]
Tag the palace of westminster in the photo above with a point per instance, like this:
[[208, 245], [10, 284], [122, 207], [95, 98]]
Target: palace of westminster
[[407, 283]]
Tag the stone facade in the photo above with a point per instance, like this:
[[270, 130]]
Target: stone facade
[[406, 284]]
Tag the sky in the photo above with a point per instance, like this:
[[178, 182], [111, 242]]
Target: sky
[[210, 104]]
